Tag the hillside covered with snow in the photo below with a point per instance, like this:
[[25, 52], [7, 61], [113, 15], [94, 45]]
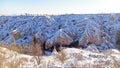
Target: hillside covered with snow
[[75, 30]]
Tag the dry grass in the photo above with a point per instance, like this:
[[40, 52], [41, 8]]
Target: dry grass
[[107, 53], [14, 63], [36, 49], [4, 63], [20, 49], [61, 56], [2, 44], [2, 60], [16, 48], [37, 52]]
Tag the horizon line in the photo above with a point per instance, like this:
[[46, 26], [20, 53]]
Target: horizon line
[[43, 14]]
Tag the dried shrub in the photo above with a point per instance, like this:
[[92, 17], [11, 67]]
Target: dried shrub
[[107, 53], [2, 44], [14, 63], [16, 48], [11, 63], [25, 49], [4, 63], [2, 60], [61, 56], [20, 49], [23, 59], [36, 50]]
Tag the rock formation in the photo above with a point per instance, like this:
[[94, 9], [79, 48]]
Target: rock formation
[[60, 38]]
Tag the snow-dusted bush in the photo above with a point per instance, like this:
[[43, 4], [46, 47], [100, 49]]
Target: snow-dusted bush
[[61, 56], [19, 49]]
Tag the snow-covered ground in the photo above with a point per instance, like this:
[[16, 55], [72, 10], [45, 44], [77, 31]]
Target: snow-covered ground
[[67, 58]]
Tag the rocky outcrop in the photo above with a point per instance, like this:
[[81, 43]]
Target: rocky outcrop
[[92, 33], [16, 34], [60, 38]]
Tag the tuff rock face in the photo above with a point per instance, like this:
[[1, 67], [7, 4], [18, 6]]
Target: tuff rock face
[[92, 33], [16, 34], [86, 29], [60, 38]]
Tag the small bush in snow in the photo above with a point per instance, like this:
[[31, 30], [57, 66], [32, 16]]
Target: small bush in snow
[[36, 50], [15, 63], [61, 56]]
